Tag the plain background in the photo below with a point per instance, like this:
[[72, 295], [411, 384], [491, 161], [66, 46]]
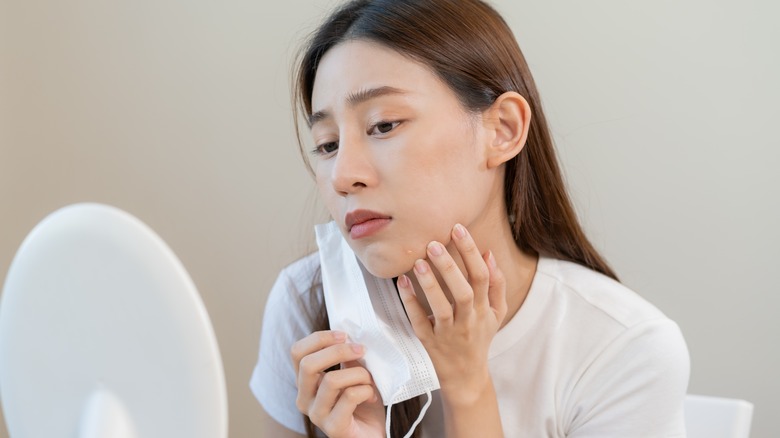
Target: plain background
[[664, 112]]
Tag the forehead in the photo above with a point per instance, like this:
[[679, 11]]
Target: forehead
[[357, 65]]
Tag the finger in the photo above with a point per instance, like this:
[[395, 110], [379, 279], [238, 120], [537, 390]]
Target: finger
[[314, 365], [417, 316], [315, 342], [344, 409], [496, 288], [462, 294], [332, 385], [440, 306], [351, 364], [476, 268]]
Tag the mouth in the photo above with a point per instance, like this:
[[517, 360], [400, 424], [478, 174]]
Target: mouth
[[363, 223]]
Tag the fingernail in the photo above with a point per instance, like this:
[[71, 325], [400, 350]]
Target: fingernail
[[491, 259], [460, 231], [436, 248], [403, 281], [357, 348], [420, 267], [339, 336]]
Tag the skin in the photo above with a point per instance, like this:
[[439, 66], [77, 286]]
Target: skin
[[409, 150]]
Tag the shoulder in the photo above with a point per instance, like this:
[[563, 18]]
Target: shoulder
[[629, 361], [600, 316], [592, 292], [583, 315], [289, 316], [300, 275], [599, 323], [295, 284], [293, 305]]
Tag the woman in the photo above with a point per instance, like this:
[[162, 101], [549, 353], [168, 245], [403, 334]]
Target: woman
[[434, 158]]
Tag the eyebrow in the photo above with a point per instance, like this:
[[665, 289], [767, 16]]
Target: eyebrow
[[356, 98]]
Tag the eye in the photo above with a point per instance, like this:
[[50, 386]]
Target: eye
[[326, 148], [383, 127]]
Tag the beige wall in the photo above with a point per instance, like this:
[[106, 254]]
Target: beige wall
[[178, 113]]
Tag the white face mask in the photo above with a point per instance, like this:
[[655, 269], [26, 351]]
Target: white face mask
[[370, 312]]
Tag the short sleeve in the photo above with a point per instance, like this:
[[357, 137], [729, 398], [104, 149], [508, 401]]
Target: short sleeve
[[635, 387], [285, 321]]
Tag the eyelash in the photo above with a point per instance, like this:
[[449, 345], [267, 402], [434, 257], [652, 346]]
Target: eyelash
[[394, 124], [320, 149]]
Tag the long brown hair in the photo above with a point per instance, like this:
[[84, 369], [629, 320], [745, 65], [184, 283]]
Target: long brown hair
[[472, 49]]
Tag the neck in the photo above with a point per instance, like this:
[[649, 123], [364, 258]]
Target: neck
[[518, 267]]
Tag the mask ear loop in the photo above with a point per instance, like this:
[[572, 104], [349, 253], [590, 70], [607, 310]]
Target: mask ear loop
[[416, 422]]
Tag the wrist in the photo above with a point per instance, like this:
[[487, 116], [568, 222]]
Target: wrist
[[471, 409], [468, 390]]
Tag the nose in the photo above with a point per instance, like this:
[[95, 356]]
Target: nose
[[353, 169]]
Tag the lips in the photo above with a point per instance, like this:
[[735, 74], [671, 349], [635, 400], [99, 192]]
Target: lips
[[363, 223]]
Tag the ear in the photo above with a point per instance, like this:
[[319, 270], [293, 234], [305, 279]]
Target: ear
[[507, 121]]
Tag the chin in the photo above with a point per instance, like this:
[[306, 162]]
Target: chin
[[383, 267]]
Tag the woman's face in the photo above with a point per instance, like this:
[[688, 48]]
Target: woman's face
[[398, 160]]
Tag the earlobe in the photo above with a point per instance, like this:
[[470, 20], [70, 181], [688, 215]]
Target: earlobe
[[510, 118]]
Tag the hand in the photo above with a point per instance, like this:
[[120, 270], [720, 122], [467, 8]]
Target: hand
[[342, 403], [457, 336]]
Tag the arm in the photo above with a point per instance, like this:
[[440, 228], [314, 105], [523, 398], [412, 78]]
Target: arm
[[474, 413], [273, 380]]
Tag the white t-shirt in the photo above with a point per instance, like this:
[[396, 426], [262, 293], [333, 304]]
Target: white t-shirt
[[583, 357]]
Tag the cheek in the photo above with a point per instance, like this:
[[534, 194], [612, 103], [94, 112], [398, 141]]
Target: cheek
[[325, 188], [450, 148], [451, 184], [445, 166], [321, 180]]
